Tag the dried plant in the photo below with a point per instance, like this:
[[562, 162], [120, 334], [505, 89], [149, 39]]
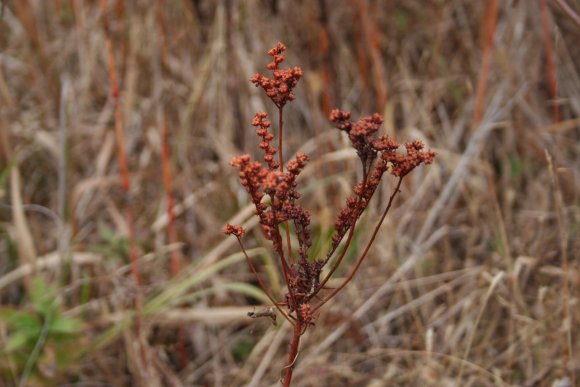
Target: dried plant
[[273, 190]]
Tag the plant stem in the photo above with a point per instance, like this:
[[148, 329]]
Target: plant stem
[[356, 214], [366, 250], [488, 32], [120, 137], [288, 273], [281, 158], [280, 136], [293, 353], [168, 185], [551, 73], [261, 282]]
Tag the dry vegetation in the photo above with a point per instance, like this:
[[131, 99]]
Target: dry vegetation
[[474, 280]]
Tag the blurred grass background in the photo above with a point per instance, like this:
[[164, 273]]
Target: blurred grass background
[[473, 281]]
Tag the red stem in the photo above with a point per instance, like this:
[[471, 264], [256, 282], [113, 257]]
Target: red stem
[[287, 271], [550, 58], [349, 237], [285, 268], [124, 171], [120, 137], [176, 255], [281, 158], [168, 184], [293, 353], [489, 25], [261, 282], [366, 250], [280, 136], [370, 35]]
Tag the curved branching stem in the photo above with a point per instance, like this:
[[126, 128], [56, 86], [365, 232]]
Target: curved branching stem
[[262, 284], [366, 250], [285, 267], [286, 270], [280, 136], [279, 248], [288, 242], [281, 161], [355, 218], [333, 249]]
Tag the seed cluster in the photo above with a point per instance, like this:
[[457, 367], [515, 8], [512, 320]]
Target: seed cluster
[[279, 88], [273, 191], [377, 155]]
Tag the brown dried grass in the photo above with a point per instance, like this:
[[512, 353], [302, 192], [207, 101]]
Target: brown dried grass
[[475, 278]]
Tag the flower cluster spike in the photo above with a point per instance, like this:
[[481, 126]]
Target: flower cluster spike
[[280, 187], [237, 231], [368, 147], [274, 194], [261, 121], [402, 165], [279, 88]]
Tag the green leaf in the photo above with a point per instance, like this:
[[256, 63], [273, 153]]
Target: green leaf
[[242, 348], [17, 341], [401, 20], [7, 313], [42, 297], [66, 325], [106, 234], [23, 321]]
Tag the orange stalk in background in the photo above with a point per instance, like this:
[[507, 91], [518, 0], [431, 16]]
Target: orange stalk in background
[[361, 57], [25, 13], [176, 256], [325, 52], [370, 36], [168, 185], [551, 73], [120, 137], [488, 32]]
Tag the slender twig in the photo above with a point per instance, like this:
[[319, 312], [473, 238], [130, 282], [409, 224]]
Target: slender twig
[[338, 260], [286, 268], [355, 219], [120, 136], [488, 29], [168, 185], [281, 136], [569, 11], [262, 284], [281, 158], [366, 250], [370, 35], [551, 72]]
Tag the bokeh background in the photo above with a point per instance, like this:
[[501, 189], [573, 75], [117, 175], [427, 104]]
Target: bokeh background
[[117, 123]]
